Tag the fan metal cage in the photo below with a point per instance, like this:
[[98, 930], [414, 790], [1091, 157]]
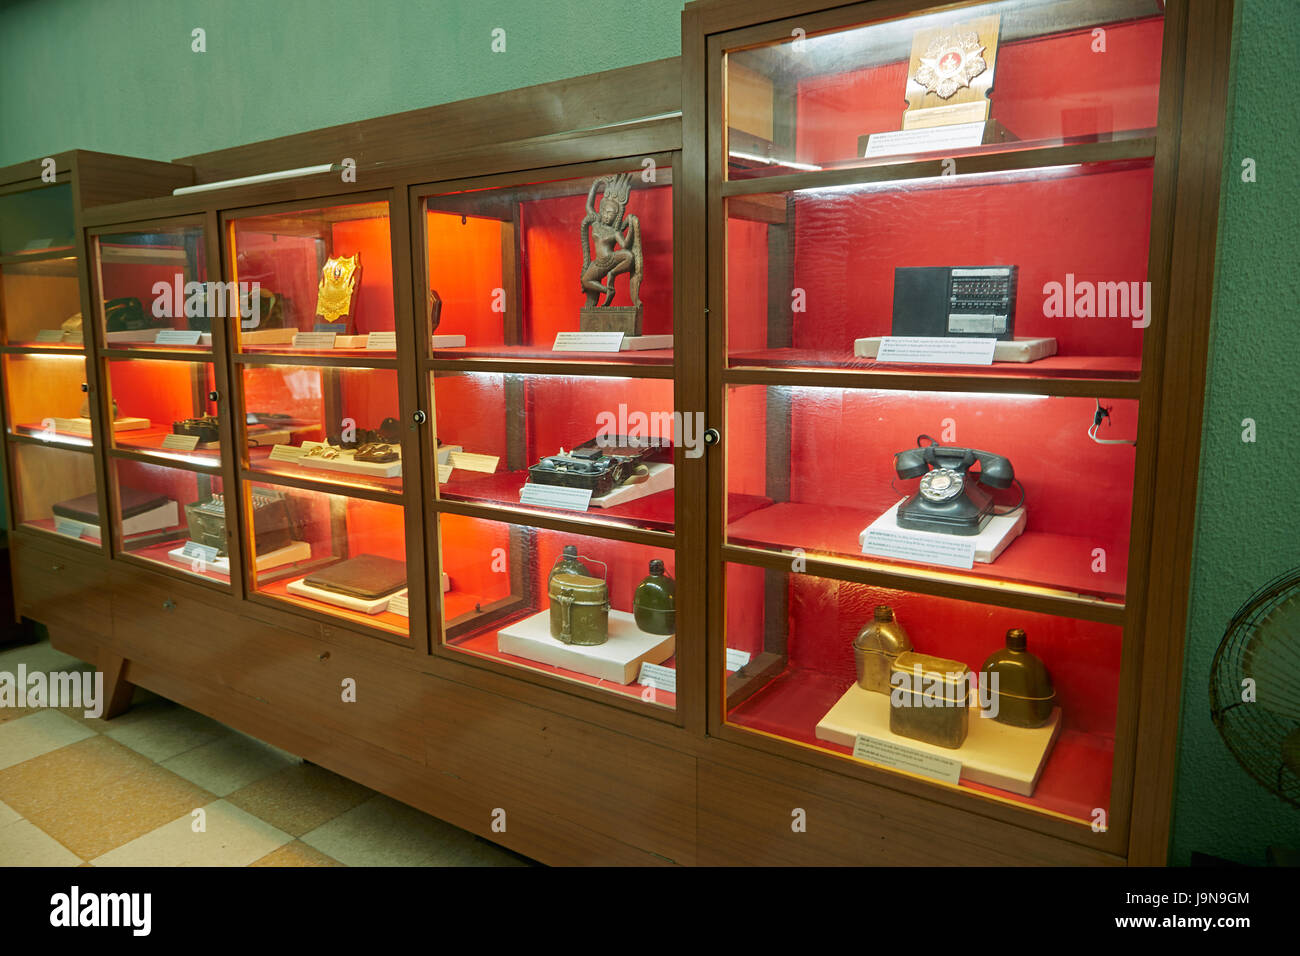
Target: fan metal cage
[[1262, 643]]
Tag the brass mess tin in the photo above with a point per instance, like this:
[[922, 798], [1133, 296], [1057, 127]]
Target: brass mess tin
[[579, 609]]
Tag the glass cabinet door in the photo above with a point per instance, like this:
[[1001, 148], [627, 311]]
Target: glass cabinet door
[[549, 363], [49, 432], [326, 451], [932, 254]]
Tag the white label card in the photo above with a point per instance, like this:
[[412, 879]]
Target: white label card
[[555, 496], [936, 350], [658, 677], [951, 551], [287, 453], [902, 757], [444, 474], [956, 136], [385, 341], [472, 462], [47, 336], [587, 342], [181, 442], [737, 659], [177, 337], [314, 340], [72, 529]]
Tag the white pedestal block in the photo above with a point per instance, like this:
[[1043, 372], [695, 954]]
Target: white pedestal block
[[448, 341], [365, 606], [642, 343], [989, 543], [619, 659], [1013, 350], [345, 462], [995, 754]]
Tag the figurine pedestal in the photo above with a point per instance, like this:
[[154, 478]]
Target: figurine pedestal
[[659, 479], [365, 605], [619, 659], [345, 462], [994, 754], [448, 341], [1013, 350], [610, 318], [989, 543]]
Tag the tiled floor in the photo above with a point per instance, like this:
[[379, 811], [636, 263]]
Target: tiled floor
[[165, 786]]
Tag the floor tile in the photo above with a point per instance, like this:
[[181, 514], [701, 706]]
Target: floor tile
[[296, 853], [22, 843], [228, 763], [160, 729], [40, 657], [88, 765], [38, 733], [300, 798], [231, 838], [95, 820], [384, 832]]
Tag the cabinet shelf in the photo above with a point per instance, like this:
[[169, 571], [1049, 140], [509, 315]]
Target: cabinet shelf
[[555, 521], [580, 363]]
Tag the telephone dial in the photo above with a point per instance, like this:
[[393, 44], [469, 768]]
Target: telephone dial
[[950, 499]]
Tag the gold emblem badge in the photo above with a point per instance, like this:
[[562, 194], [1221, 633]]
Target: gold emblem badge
[[338, 281], [950, 62]]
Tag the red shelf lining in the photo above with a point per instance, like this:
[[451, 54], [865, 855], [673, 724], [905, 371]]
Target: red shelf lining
[[1116, 367], [1075, 781], [654, 512], [1043, 559]]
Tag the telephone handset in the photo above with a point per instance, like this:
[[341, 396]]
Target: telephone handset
[[950, 498]]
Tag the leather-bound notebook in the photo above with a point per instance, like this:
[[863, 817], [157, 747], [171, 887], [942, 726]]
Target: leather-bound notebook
[[366, 576]]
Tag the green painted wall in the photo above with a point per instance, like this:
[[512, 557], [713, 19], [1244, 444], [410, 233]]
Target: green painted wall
[[121, 77]]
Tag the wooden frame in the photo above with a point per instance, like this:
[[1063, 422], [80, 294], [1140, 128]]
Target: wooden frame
[[1153, 638]]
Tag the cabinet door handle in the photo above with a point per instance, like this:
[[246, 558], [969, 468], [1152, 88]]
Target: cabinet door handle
[[169, 605], [712, 436], [213, 395], [56, 568], [85, 386], [419, 417]]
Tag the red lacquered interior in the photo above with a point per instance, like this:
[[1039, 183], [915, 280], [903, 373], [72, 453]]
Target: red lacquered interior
[[133, 270], [1089, 93], [841, 474], [1091, 222], [556, 412], [824, 616], [477, 556], [163, 392], [285, 254], [468, 267]]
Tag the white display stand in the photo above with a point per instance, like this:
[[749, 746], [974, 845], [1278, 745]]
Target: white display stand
[[445, 452], [995, 754], [659, 479], [81, 426], [643, 343], [268, 337], [345, 462], [372, 606], [989, 543], [1013, 350], [619, 659], [448, 342], [289, 554]]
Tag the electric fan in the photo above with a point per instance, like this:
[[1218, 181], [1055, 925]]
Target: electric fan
[[1262, 645]]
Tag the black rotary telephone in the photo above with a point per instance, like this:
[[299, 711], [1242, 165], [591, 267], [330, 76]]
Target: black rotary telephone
[[950, 499]]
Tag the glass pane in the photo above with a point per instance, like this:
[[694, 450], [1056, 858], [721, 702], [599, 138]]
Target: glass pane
[[1052, 263], [54, 490], [37, 220], [592, 445], [501, 601], [341, 556], [173, 517], [838, 472], [162, 408], [328, 271], [793, 671], [511, 268], [46, 400], [149, 289], [331, 424], [40, 303], [978, 78]]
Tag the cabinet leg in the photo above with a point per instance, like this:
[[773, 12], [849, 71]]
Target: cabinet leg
[[117, 689]]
